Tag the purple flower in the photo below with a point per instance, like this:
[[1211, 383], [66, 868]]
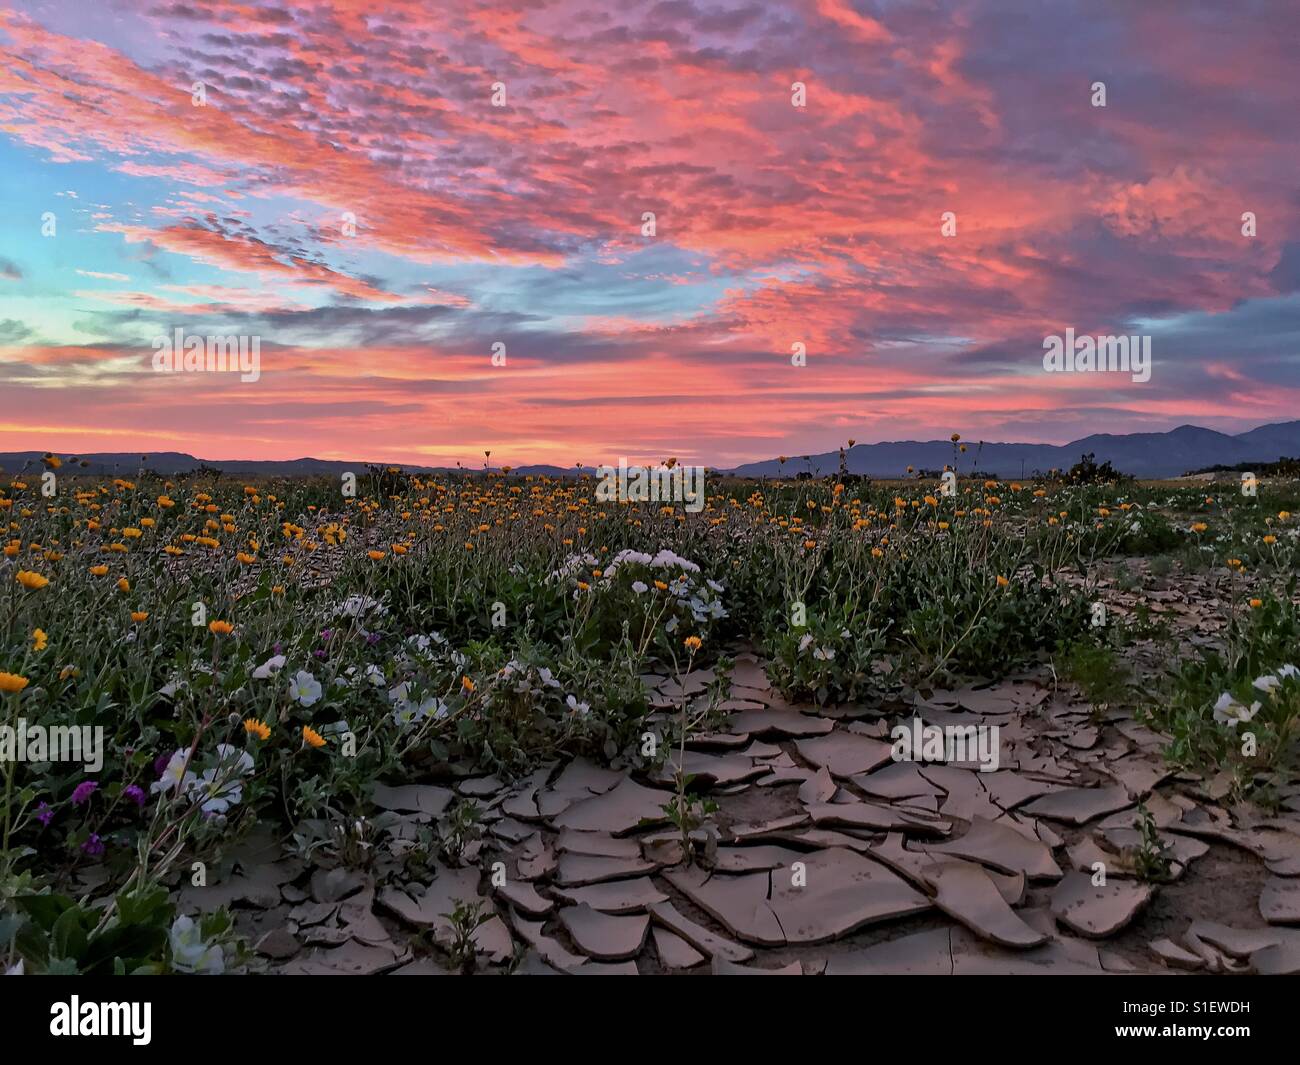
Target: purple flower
[[94, 846], [325, 634], [160, 763], [44, 813], [83, 791], [135, 793], [372, 638], [320, 652], [276, 647]]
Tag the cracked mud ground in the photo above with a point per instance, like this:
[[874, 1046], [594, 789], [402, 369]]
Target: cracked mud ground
[[825, 855]]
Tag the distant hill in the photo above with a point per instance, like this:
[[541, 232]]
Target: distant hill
[[1170, 454], [172, 463]]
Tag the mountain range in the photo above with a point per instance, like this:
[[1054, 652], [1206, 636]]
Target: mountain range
[[1150, 455], [1170, 454]]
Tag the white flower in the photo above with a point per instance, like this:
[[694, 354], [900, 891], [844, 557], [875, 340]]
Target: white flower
[[269, 668], [1227, 711], [640, 586], [190, 954], [581, 709], [304, 688], [356, 605], [1288, 670], [216, 791], [823, 655], [236, 758], [375, 676], [1266, 683], [805, 643], [666, 559], [172, 777], [408, 713]]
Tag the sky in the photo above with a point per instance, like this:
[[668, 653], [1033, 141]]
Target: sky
[[385, 194]]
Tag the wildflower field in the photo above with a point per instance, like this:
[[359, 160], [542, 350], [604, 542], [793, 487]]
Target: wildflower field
[[485, 723]]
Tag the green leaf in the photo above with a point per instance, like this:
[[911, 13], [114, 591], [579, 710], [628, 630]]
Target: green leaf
[[44, 909], [68, 936]]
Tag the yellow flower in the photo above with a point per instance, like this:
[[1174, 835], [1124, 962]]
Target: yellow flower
[[467, 684], [260, 729], [311, 737], [69, 671], [375, 556], [277, 589], [12, 683], [39, 639], [877, 553], [1255, 604], [123, 585], [220, 628], [31, 580], [1199, 527], [693, 643], [1002, 581], [1270, 539], [661, 586]]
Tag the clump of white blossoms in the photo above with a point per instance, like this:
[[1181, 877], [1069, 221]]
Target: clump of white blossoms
[[216, 789], [410, 709], [680, 575], [355, 606], [1230, 711]]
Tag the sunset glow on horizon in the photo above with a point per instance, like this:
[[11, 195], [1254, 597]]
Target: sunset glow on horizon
[[385, 195]]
